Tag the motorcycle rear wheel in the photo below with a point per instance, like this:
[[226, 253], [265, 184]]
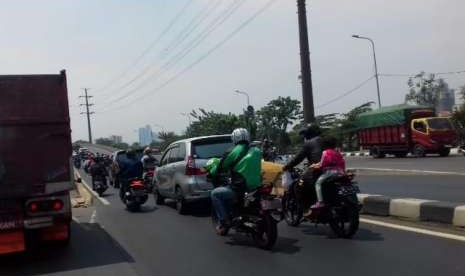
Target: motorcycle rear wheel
[[345, 221], [267, 233]]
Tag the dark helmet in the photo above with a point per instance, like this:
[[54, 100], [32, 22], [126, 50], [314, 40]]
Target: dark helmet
[[310, 131]]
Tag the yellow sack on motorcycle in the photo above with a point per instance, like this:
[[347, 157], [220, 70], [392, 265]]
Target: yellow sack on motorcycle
[[271, 175]]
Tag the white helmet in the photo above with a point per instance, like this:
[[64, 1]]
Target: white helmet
[[239, 135]]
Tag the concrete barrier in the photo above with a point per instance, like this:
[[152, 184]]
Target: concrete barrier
[[413, 208]]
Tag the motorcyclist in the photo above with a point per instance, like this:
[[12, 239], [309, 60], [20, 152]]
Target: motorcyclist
[[312, 150], [130, 168], [245, 175], [267, 149], [98, 171], [148, 160]]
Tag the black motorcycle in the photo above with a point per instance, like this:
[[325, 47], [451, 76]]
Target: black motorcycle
[[341, 209], [136, 195], [258, 217], [77, 162], [100, 185]]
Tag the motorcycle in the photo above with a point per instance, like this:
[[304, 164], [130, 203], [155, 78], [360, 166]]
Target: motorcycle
[[148, 179], [136, 195], [77, 162], [100, 185], [341, 209], [258, 217]]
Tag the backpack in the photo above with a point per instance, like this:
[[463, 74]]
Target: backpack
[[250, 167]]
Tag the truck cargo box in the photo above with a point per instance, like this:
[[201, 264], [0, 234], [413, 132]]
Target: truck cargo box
[[35, 135]]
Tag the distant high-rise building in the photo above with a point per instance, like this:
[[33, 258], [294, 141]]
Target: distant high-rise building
[[116, 139], [145, 135]]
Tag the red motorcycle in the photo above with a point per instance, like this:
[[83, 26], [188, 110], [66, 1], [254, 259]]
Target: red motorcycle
[[136, 195]]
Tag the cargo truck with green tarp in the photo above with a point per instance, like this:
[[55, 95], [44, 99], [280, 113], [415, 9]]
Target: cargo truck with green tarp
[[400, 129]]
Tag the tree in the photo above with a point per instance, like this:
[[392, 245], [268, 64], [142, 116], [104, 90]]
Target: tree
[[274, 119], [136, 145], [347, 128], [122, 146], [167, 138], [425, 89], [104, 141], [458, 116], [212, 123]]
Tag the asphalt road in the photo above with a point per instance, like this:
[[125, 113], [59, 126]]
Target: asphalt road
[[437, 187], [158, 241], [430, 163]]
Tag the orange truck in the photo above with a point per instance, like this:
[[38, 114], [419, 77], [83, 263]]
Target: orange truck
[[35, 153]]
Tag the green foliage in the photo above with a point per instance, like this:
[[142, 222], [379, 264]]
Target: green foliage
[[167, 138], [458, 116], [425, 89], [274, 119], [110, 143], [347, 131], [212, 123], [122, 146], [135, 145]]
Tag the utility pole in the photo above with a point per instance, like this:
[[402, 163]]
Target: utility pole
[[87, 104], [306, 73]]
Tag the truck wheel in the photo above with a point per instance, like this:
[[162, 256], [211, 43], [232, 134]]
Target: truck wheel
[[444, 152], [377, 153], [419, 151]]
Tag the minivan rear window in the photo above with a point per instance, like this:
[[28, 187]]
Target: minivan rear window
[[205, 149]]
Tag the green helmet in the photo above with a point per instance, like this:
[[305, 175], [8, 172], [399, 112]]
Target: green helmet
[[212, 165]]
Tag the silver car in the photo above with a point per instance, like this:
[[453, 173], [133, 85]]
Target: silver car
[[180, 175]]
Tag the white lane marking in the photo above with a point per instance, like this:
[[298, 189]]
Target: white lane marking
[[415, 230], [75, 219], [93, 218], [409, 171], [102, 200]]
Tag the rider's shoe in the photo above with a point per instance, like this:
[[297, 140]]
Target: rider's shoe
[[317, 206]]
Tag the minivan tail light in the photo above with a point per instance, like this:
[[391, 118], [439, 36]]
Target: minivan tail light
[[191, 169]]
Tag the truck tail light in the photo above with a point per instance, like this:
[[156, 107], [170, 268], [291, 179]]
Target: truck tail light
[[33, 207], [41, 206], [57, 205], [191, 169]]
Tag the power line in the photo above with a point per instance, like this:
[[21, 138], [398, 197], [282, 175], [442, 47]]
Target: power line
[[217, 22], [151, 45], [191, 26], [346, 93], [201, 58]]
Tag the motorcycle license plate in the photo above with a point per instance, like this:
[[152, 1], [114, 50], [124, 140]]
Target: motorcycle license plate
[[349, 190], [139, 193], [271, 204]]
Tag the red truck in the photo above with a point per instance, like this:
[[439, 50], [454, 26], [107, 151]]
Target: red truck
[[35, 151], [401, 129]]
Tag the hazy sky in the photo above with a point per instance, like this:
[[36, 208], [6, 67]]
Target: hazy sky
[[96, 41]]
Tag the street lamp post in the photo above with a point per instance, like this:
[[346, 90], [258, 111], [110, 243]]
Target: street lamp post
[[244, 93], [376, 66]]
